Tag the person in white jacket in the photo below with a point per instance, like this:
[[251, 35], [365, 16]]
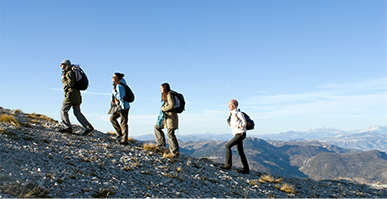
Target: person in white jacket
[[238, 127]]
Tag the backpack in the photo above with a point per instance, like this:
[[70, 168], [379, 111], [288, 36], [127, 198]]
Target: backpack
[[81, 81], [249, 122], [129, 95], [179, 105]]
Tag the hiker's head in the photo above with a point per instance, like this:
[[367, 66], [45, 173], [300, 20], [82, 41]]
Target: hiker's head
[[117, 77], [165, 88], [65, 63], [233, 104]]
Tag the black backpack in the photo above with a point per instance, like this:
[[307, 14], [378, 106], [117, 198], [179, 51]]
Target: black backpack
[[81, 81], [249, 122], [179, 105], [129, 95]]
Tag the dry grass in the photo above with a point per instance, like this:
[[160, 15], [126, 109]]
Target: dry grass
[[269, 178], [287, 188], [266, 178], [111, 133], [253, 182], [36, 118], [30, 191], [151, 147], [10, 119]]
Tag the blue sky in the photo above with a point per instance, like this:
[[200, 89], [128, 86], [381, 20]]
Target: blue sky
[[292, 65]]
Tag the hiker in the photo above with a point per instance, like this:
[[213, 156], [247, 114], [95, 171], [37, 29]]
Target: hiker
[[238, 127], [120, 108], [72, 99], [167, 119]]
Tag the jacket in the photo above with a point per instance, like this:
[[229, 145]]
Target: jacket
[[72, 95], [171, 120], [119, 93], [237, 122]]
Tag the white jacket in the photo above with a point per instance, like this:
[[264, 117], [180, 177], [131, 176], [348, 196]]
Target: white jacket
[[237, 122]]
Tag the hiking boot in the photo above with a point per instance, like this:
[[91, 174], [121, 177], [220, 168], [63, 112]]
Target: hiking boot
[[66, 130], [244, 171], [124, 142], [226, 167], [117, 137], [87, 131]]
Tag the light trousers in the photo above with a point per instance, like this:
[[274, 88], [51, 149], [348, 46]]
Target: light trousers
[[64, 113]]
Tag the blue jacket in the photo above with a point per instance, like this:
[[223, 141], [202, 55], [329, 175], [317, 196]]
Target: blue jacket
[[119, 93]]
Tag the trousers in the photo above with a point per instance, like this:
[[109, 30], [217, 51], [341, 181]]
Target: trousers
[[64, 114], [123, 127], [238, 141], [172, 140]]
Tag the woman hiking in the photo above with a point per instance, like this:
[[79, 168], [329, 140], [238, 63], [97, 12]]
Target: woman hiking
[[238, 127], [167, 119], [119, 108]]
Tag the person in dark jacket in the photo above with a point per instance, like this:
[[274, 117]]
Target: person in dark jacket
[[237, 123], [121, 108], [73, 99], [167, 119]]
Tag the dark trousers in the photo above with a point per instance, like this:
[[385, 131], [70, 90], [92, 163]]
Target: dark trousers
[[123, 128], [238, 141]]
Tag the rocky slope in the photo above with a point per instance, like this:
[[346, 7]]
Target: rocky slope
[[37, 161]]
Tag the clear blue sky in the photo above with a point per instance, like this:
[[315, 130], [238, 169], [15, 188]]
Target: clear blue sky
[[291, 64]]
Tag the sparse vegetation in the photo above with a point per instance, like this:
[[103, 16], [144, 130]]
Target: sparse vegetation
[[10, 119], [151, 147], [29, 191], [287, 188], [36, 118]]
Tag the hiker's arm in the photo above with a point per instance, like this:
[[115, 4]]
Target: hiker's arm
[[69, 80], [119, 92], [169, 105], [241, 121]]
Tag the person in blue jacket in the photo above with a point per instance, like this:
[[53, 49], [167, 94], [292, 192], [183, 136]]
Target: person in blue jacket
[[120, 108]]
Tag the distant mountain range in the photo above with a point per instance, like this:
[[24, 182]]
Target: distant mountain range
[[373, 138]]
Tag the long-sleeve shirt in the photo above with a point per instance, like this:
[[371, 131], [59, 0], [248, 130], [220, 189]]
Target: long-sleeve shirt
[[237, 122], [119, 93]]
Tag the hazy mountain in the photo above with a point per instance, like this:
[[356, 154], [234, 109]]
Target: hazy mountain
[[368, 139], [313, 134]]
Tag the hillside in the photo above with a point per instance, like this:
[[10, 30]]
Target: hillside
[[37, 161], [369, 166]]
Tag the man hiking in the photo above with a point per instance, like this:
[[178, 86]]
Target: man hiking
[[72, 99]]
